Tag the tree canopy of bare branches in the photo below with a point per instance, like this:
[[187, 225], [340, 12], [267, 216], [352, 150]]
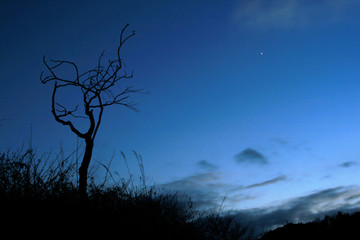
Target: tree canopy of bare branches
[[100, 88]]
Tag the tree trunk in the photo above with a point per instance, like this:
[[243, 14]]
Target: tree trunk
[[83, 170]]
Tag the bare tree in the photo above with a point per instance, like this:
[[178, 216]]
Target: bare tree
[[100, 88]]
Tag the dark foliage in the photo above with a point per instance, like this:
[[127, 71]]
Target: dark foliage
[[223, 226], [340, 226]]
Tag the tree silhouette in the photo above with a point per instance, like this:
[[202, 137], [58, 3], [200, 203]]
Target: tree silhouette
[[100, 88]]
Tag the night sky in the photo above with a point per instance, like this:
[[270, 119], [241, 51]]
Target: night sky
[[252, 100]]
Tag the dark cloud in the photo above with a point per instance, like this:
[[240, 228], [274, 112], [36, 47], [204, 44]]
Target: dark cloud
[[2, 120], [303, 209], [250, 155], [206, 165], [268, 182], [348, 164]]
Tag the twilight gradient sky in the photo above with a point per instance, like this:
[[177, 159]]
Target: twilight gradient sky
[[267, 130]]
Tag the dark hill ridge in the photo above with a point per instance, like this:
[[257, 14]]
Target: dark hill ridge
[[340, 226]]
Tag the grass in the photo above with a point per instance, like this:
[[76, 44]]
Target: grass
[[39, 198]]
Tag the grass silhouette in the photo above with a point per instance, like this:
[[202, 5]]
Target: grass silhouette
[[39, 198]]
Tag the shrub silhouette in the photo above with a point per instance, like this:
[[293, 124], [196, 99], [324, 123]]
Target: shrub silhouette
[[219, 226]]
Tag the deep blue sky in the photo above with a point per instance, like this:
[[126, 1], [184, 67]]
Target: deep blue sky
[[221, 118]]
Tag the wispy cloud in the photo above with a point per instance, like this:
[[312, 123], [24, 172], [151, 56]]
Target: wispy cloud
[[205, 189], [250, 155], [206, 165], [280, 141], [290, 13], [305, 208], [208, 189], [268, 182]]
